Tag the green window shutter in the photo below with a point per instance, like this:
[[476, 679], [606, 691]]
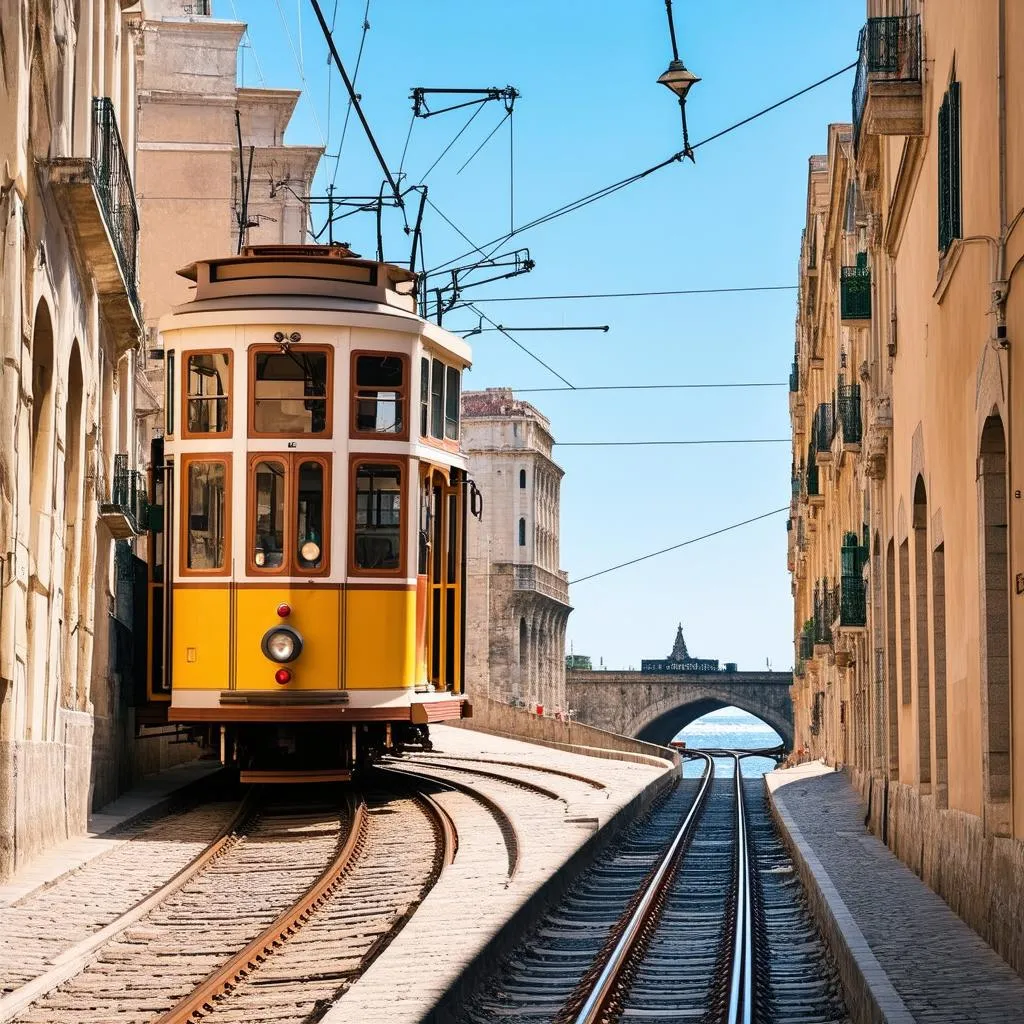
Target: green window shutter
[[943, 134], [954, 160]]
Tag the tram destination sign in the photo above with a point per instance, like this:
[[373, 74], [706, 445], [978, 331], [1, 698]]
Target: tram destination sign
[[685, 665]]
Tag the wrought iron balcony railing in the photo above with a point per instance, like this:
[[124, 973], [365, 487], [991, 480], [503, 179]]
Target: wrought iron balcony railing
[[805, 642], [824, 599], [855, 292], [852, 603], [127, 511], [889, 50], [813, 485], [848, 405], [114, 185], [824, 429]]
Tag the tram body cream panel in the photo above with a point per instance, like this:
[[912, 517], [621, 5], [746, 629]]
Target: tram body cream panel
[[307, 569]]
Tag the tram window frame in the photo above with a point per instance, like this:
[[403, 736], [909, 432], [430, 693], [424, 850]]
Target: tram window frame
[[424, 396], [170, 393], [227, 397], [440, 422], [451, 433], [185, 490], [253, 353], [402, 466], [290, 564], [401, 403]]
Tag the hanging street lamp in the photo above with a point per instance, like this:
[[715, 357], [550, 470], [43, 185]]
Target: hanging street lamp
[[678, 79]]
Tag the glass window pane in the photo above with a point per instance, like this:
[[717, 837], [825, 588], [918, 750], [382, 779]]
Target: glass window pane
[[269, 504], [424, 395], [291, 393], [170, 401], [379, 394], [206, 521], [451, 405], [437, 399], [378, 519], [207, 378], [309, 543]]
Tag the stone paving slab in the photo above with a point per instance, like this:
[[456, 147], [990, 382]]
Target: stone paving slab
[[461, 921], [904, 954], [74, 853]]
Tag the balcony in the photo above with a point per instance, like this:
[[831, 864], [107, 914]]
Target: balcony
[[97, 203], [876, 437], [794, 377], [554, 585], [850, 604], [805, 642], [848, 407], [887, 95], [823, 433], [126, 514], [814, 495], [824, 601], [855, 294]]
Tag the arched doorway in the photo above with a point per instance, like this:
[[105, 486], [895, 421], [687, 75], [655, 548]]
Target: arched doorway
[[73, 444]]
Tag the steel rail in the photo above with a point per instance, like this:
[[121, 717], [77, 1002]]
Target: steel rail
[[73, 960], [741, 978], [218, 983], [597, 1003]]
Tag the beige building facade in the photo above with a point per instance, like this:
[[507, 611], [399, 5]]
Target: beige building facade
[[906, 537], [517, 603]]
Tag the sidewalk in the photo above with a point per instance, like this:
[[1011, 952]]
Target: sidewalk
[[903, 954], [74, 853]]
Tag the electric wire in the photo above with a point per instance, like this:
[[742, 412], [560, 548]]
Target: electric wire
[[302, 74], [651, 444], [638, 295], [676, 547], [608, 190], [493, 132], [654, 387], [472, 117], [355, 76]]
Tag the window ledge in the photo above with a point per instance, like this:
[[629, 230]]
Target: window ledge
[[947, 264]]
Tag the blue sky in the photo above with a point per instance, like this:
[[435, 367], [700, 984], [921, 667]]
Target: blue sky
[[591, 113]]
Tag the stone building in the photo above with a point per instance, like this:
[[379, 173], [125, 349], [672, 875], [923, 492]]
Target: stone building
[[906, 537], [69, 334], [518, 598]]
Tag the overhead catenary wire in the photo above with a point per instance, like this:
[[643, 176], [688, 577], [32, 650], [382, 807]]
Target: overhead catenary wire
[[639, 295], [655, 387], [651, 444], [676, 547], [355, 76], [677, 157]]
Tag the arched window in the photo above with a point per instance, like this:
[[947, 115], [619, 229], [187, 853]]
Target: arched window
[[522, 479], [522, 533]]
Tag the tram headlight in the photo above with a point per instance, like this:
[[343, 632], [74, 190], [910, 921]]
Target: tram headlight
[[282, 644], [310, 551]]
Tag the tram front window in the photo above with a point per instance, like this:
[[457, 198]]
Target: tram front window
[[310, 539], [378, 518], [207, 379], [269, 489], [206, 523], [380, 394], [290, 392]]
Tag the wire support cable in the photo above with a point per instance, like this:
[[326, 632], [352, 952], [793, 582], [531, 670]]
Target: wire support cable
[[355, 77], [601, 193], [682, 544], [655, 387]]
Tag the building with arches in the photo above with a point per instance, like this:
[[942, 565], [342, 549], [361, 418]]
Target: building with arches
[[517, 597], [906, 534]]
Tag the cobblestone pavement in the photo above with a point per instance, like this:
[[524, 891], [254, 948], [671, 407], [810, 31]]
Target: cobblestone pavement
[[940, 967]]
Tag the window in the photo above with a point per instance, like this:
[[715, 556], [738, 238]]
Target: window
[[377, 523], [949, 167], [291, 391], [379, 400], [169, 398], [424, 396], [437, 399], [268, 488], [522, 533], [207, 393], [451, 404], [522, 479], [287, 514], [206, 525]]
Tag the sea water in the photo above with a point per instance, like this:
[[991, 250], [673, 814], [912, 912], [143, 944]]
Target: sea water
[[730, 729]]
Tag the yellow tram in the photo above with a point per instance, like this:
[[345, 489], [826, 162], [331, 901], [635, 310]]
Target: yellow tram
[[307, 575]]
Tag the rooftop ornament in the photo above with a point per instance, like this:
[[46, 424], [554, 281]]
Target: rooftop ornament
[[679, 80]]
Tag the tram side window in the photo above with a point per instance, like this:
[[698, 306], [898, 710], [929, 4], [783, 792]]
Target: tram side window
[[291, 393], [424, 396], [269, 496], [437, 399], [169, 398], [208, 378], [380, 394], [206, 502], [310, 516], [451, 404], [378, 517]]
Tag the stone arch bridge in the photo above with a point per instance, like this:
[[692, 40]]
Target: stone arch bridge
[[655, 706]]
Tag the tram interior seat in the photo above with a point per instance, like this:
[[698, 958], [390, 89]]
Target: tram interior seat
[[376, 552]]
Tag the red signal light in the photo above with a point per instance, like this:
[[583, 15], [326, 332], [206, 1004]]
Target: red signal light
[[284, 610], [282, 676]]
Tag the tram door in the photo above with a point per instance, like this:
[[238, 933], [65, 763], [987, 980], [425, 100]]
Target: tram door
[[444, 582], [158, 680]]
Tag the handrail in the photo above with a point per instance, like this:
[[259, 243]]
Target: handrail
[[593, 1009]]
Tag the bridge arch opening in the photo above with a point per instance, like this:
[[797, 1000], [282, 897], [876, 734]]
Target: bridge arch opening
[[710, 722]]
